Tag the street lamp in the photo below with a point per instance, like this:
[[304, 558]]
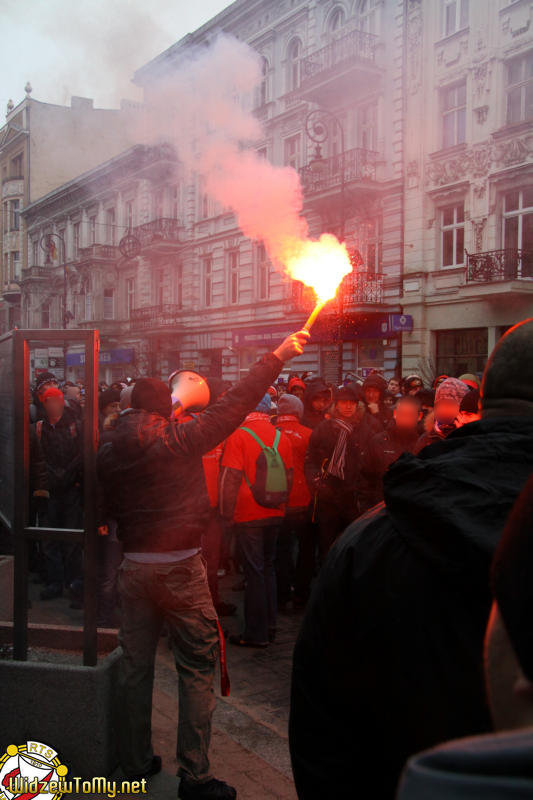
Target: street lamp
[[317, 128]]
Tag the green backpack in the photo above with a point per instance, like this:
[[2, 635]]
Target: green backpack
[[270, 487]]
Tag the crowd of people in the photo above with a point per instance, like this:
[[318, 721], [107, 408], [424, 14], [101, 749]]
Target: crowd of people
[[261, 483]]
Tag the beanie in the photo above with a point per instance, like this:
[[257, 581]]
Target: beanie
[[290, 404], [375, 381], [508, 377], [294, 382], [470, 402], [265, 405], [107, 397], [152, 394], [471, 380], [451, 389], [346, 393]]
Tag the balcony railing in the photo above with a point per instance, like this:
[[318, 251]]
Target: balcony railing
[[105, 252], [36, 272], [326, 173], [362, 287], [499, 265], [163, 229], [155, 316], [354, 46]]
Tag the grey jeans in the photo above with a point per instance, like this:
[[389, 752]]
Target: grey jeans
[[177, 593]]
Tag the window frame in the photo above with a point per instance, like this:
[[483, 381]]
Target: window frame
[[453, 227], [462, 17], [453, 111], [233, 276], [207, 281], [522, 85]]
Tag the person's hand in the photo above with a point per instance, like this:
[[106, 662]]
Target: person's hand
[[103, 530], [292, 346]]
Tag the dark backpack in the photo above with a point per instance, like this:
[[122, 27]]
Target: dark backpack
[[270, 487]]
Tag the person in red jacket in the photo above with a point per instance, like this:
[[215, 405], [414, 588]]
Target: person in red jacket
[[257, 525], [296, 525]]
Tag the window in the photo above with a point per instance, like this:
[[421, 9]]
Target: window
[[92, 230], [159, 287], [519, 89], [130, 296], [336, 21], [128, 216], [293, 65], [368, 16], [208, 281], [233, 263], [6, 268], [109, 304], [454, 115], [88, 305], [263, 273], [175, 202], [45, 315], [452, 235], [367, 127], [15, 215], [204, 206], [16, 265], [179, 285], [35, 252], [291, 151], [461, 350], [110, 225], [264, 94], [454, 16], [158, 204], [517, 231], [76, 239], [5, 215], [16, 166]]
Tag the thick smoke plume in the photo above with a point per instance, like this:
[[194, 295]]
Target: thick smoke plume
[[203, 108]]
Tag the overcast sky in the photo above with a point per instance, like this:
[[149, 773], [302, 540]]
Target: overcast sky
[[88, 47]]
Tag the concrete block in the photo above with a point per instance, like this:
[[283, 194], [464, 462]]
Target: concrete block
[[68, 707]]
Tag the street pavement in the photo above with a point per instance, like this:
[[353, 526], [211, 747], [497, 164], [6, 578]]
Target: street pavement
[[249, 747]]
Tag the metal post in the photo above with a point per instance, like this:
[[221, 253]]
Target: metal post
[[21, 487], [90, 434]]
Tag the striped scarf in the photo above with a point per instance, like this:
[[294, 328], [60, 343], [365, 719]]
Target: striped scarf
[[336, 462]]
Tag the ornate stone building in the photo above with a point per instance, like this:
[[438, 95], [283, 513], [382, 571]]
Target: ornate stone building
[[468, 195]]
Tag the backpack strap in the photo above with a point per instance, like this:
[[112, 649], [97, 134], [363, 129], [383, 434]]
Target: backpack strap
[[261, 444], [39, 429]]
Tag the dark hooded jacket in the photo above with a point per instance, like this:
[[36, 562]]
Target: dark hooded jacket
[[310, 417], [389, 656], [152, 470]]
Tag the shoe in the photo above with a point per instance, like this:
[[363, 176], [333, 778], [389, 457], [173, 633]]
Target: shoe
[[153, 769], [240, 641], [209, 790], [225, 609], [51, 590]]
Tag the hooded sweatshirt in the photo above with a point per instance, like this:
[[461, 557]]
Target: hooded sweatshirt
[[388, 661]]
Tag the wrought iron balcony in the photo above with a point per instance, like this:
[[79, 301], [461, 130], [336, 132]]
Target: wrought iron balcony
[[499, 265], [322, 174], [353, 46], [36, 272], [362, 287], [153, 317], [163, 230]]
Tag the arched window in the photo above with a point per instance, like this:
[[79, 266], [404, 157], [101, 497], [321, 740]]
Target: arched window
[[336, 21], [367, 16], [263, 89], [294, 54]]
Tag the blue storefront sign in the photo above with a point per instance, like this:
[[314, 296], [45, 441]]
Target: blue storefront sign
[[123, 356], [353, 327]]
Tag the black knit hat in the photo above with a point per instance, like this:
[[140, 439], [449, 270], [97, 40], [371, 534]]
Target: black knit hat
[[152, 394], [470, 402], [375, 381], [347, 393], [508, 377], [107, 397], [512, 578]]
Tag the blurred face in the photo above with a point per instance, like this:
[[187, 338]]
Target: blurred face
[[345, 408], [54, 407], [510, 693], [372, 395], [44, 386], [407, 416], [320, 403], [298, 391], [446, 411], [394, 386]]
